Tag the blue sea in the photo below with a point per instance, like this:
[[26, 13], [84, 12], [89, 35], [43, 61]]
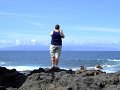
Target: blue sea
[[29, 60]]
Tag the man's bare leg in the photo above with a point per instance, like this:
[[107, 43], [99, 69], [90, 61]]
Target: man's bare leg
[[56, 61], [53, 61]]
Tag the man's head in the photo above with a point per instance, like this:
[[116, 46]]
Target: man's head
[[57, 27]]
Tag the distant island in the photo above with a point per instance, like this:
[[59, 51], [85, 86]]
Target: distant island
[[65, 48]]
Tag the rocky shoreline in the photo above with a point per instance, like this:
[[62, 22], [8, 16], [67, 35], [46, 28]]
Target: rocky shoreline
[[58, 79]]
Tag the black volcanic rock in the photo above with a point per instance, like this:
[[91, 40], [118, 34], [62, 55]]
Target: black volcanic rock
[[58, 79], [11, 78], [2, 88], [37, 71]]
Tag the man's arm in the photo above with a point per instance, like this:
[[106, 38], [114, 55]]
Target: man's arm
[[62, 34], [51, 33]]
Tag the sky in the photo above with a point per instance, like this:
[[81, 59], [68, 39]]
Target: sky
[[29, 22]]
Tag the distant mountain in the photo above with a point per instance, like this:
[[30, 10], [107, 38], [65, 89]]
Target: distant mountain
[[89, 48], [65, 48], [26, 48]]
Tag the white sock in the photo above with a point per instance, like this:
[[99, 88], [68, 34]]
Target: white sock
[[56, 65], [53, 65]]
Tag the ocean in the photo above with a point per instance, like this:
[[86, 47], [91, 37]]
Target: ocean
[[29, 60]]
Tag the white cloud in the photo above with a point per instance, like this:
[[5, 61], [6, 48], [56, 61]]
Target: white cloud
[[36, 23], [18, 42], [17, 14], [33, 40], [15, 39], [5, 13], [2, 41], [99, 29], [20, 35], [34, 16], [6, 43]]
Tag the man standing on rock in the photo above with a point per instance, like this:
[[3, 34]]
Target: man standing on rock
[[56, 45]]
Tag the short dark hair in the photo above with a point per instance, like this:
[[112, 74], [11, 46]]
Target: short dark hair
[[57, 26]]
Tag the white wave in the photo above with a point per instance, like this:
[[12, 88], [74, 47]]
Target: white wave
[[23, 68], [2, 63], [109, 66], [114, 60], [90, 68], [106, 68], [109, 71]]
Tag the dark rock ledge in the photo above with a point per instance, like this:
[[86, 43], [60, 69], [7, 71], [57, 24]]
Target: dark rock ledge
[[58, 79]]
